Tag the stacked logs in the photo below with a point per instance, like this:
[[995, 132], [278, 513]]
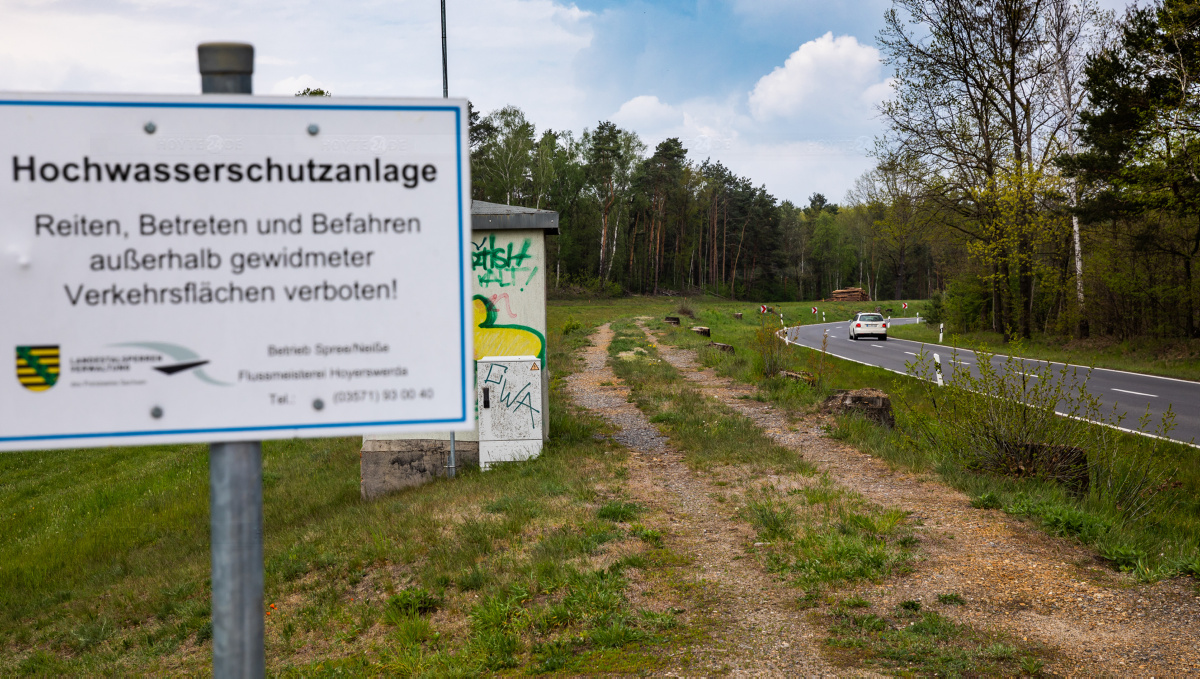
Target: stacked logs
[[849, 295]]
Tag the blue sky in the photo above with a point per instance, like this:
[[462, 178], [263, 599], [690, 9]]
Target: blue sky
[[781, 91], [687, 49]]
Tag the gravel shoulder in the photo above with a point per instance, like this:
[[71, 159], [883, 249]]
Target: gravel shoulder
[[1040, 588], [757, 628]]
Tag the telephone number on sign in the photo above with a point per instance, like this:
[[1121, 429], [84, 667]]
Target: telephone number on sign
[[380, 395]]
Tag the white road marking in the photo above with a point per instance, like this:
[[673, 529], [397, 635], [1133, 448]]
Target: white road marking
[[877, 345], [910, 353], [1135, 393]]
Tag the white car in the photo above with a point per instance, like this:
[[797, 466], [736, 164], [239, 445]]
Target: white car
[[868, 324]]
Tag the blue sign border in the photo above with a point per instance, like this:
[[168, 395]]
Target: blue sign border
[[462, 346]]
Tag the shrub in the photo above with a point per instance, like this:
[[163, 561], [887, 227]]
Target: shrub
[[571, 325], [591, 287], [771, 349], [934, 311], [1005, 420]]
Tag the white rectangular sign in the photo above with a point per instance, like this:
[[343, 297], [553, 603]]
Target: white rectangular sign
[[225, 268]]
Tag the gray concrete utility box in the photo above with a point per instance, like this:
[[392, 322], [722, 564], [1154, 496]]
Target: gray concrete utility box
[[508, 280]]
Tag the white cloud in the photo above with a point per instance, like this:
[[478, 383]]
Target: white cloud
[[805, 127], [799, 129], [500, 51], [877, 92], [647, 113], [824, 78], [795, 170]]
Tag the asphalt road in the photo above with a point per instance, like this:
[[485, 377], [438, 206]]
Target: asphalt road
[[1131, 393]]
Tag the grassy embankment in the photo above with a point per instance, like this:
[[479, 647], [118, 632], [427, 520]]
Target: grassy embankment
[[1178, 358], [104, 560], [1163, 543], [818, 536]]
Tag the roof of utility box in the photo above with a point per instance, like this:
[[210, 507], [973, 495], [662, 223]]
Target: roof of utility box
[[494, 216]]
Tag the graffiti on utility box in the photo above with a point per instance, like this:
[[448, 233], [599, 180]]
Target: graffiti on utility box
[[493, 339], [503, 265], [509, 395]]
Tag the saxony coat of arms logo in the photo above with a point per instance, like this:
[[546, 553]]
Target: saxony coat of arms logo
[[37, 367]]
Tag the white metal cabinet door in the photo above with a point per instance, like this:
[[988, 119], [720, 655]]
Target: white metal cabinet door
[[509, 394]]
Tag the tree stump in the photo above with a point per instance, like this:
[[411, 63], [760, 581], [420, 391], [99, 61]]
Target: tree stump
[[701, 330], [1067, 465], [727, 348], [802, 376], [671, 320], [738, 315], [872, 404]]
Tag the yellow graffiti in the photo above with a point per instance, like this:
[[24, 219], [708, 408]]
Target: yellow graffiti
[[503, 340]]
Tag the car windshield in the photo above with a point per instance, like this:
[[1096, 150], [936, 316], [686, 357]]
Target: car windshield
[[873, 318]]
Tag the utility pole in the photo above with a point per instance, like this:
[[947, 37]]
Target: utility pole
[[445, 73], [235, 469]]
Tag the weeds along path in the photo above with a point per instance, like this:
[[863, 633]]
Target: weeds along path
[[758, 631], [1037, 587]]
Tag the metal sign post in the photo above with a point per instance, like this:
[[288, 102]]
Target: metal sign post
[[450, 468], [235, 470], [235, 502]]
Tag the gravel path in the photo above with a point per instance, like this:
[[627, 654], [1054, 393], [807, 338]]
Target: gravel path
[[1038, 587], [759, 631]]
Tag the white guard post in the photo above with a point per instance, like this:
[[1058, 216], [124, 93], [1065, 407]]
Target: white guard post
[[508, 391]]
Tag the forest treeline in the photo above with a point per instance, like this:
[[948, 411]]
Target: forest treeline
[[1037, 174], [631, 220]]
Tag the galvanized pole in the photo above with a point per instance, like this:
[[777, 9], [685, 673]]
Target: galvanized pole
[[235, 470], [445, 95], [235, 477], [445, 74]]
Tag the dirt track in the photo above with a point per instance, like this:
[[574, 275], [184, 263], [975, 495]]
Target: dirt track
[[759, 629], [1037, 587]]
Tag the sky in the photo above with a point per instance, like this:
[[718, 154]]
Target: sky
[[781, 91]]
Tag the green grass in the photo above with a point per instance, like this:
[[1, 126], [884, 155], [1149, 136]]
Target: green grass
[[708, 432], [824, 535], [816, 536], [912, 643], [1178, 358], [105, 562], [1161, 543]]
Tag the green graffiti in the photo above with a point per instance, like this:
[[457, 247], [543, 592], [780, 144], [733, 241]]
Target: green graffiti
[[499, 265]]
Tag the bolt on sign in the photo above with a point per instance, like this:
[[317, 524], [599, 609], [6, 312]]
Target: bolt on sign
[[185, 269]]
